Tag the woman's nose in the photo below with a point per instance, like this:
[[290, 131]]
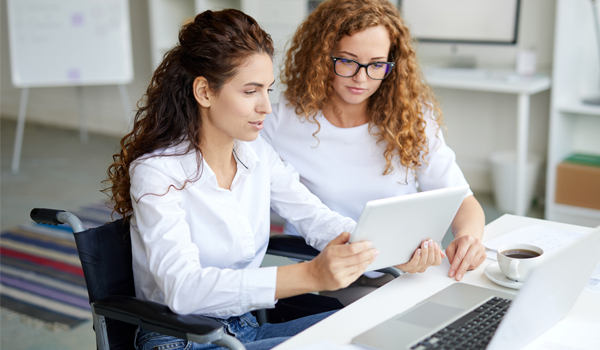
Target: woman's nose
[[361, 75], [264, 105]]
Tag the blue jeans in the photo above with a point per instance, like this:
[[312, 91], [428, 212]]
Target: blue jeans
[[245, 328]]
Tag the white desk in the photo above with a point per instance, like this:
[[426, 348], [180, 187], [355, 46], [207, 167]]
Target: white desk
[[500, 82], [407, 290]]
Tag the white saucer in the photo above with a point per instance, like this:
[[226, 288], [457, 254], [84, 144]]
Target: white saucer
[[492, 271]]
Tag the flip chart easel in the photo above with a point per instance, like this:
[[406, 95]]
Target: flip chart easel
[[68, 43]]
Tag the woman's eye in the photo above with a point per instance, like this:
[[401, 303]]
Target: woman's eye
[[250, 92], [269, 90]]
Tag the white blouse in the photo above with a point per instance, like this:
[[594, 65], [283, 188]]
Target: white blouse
[[199, 249], [344, 166]]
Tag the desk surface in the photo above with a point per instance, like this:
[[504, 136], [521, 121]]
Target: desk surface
[[486, 80], [408, 290]]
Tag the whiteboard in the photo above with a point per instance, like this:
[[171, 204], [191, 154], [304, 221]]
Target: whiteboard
[[69, 42]]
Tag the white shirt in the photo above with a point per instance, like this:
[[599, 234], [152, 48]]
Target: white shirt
[[199, 249], [344, 166]]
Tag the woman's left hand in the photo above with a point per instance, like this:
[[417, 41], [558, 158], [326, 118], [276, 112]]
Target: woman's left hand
[[429, 254], [464, 253]]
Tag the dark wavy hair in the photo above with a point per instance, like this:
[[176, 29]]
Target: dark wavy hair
[[396, 108], [213, 46]]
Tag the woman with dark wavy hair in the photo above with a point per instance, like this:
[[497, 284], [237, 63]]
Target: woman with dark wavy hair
[[357, 109], [196, 183]]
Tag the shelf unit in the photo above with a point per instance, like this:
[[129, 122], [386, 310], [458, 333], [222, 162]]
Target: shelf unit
[[574, 126]]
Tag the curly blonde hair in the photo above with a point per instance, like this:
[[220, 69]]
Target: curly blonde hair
[[396, 108]]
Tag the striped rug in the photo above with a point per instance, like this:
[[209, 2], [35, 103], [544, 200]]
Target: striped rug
[[40, 273]]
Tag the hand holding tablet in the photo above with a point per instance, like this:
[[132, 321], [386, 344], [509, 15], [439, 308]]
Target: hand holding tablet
[[397, 226]]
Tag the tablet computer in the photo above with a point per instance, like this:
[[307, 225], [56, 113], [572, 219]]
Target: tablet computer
[[398, 225]]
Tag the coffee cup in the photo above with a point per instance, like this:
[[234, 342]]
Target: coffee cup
[[517, 260]]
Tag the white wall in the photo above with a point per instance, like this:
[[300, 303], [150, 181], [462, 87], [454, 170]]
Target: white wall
[[102, 104], [478, 123]]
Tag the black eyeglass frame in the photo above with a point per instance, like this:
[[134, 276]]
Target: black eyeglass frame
[[360, 65]]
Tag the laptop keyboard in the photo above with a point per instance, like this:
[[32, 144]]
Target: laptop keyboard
[[472, 331]]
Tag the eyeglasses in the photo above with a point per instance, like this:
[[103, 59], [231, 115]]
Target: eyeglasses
[[347, 68]]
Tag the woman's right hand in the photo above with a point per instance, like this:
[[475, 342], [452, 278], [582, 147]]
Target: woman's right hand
[[341, 263], [428, 254]]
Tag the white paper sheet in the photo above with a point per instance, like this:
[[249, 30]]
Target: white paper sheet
[[547, 238]]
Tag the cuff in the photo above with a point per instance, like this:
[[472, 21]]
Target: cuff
[[259, 288]]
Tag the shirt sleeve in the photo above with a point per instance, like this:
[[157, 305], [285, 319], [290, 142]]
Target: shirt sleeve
[[440, 169], [294, 202], [173, 259]]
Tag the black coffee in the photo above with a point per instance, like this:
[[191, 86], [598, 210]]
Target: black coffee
[[520, 254]]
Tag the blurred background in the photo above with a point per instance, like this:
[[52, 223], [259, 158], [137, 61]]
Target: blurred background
[[483, 59]]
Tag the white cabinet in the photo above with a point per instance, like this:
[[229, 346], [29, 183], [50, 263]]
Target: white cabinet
[[574, 126], [279, 18], [167, 17]]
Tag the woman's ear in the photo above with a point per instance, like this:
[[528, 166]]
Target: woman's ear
[[202, 92]]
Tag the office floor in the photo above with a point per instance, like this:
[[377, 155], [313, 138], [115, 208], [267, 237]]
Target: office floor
[[58, 171]]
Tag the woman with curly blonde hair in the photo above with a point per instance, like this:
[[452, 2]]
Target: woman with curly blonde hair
[[358, 122]]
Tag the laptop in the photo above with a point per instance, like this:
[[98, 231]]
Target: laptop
[[448, 319], [396, 226]]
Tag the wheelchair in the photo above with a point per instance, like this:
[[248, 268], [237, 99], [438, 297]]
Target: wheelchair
[[105, 255]]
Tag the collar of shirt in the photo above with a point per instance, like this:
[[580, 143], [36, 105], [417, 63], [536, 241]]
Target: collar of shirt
[[245, 157], [178, 160]]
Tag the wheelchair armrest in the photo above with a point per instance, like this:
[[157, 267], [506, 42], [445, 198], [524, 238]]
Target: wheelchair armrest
[[159, 318], [392, 271], [295, 247], [291, 247]]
